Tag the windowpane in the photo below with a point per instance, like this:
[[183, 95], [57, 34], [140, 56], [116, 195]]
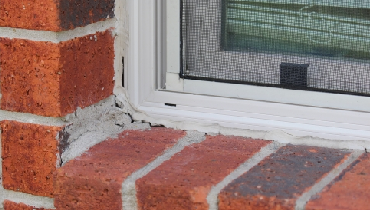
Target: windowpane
[[326, 28], [318, 45]]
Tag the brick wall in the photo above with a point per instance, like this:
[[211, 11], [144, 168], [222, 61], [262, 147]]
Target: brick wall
[[55, 56], [67, 142]]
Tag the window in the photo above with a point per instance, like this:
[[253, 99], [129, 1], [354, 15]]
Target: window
[[312, 45], [205, 100]]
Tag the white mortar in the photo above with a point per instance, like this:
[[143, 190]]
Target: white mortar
[[318, 187], [212, 197], [30, 200], [31, 118], [128, 186], [56, 37]]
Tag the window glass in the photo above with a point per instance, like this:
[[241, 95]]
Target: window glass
[[316, 45], [326, 28]]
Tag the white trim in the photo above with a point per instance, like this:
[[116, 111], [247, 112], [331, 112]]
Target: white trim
[[216, 114], [274, 116], [173, 36], [279, 95], [174, 82], [133, 52]]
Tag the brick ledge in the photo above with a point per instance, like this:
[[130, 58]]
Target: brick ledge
[[168, 169]]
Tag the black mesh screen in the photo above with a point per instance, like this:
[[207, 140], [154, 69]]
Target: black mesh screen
[[300, 44]]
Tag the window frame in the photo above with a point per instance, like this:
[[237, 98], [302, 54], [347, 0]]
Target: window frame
[[250, 117]]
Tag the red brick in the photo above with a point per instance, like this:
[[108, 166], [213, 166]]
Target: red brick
[[53, 15], [94, 180], [277, 181], [9, 205], [28, 76], [87, 71], [29, 14], [184, 181], [349, 191], [29, 154], [52, 79]]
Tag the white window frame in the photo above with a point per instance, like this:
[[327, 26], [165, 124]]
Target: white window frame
[[348, 123]]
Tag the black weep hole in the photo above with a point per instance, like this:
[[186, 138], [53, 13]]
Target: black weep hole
[[293, 76]]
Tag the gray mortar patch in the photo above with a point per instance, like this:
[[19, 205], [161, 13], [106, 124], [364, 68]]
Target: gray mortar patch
[[317, 188], [92, 125], [128, 186], [212, 197]]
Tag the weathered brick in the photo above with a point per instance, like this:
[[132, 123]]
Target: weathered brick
[[51, 79], [28, 76], [349, 191], [54, 15], [87, 71], [184, 181], [94, 180], [9, 205], [77, 13], [277, 181], [29, 153]]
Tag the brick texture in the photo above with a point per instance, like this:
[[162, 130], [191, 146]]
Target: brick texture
[[349, 191], [29, 157], [94, 180], [184, 181], [52, 79], [9, 205], [277, 181], [54, 15]]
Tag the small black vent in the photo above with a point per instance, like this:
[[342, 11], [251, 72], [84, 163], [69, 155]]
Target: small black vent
[[293, 76], [169, 104]]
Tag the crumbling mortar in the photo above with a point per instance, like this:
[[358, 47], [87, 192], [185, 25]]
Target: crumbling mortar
[[82, 130], [92, 125]]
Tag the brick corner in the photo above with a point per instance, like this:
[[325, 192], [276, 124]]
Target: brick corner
[[29, 157]]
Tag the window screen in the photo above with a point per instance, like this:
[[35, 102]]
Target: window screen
[[298, 44]]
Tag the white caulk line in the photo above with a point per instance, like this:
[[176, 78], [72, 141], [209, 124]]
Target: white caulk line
[[30, 200], [263, 153], [302, 201], [128, 186], [56, 37]]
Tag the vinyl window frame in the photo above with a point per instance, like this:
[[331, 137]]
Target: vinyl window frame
[[335, 117]]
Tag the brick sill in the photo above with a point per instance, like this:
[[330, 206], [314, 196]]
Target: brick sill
[[163, 168]]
